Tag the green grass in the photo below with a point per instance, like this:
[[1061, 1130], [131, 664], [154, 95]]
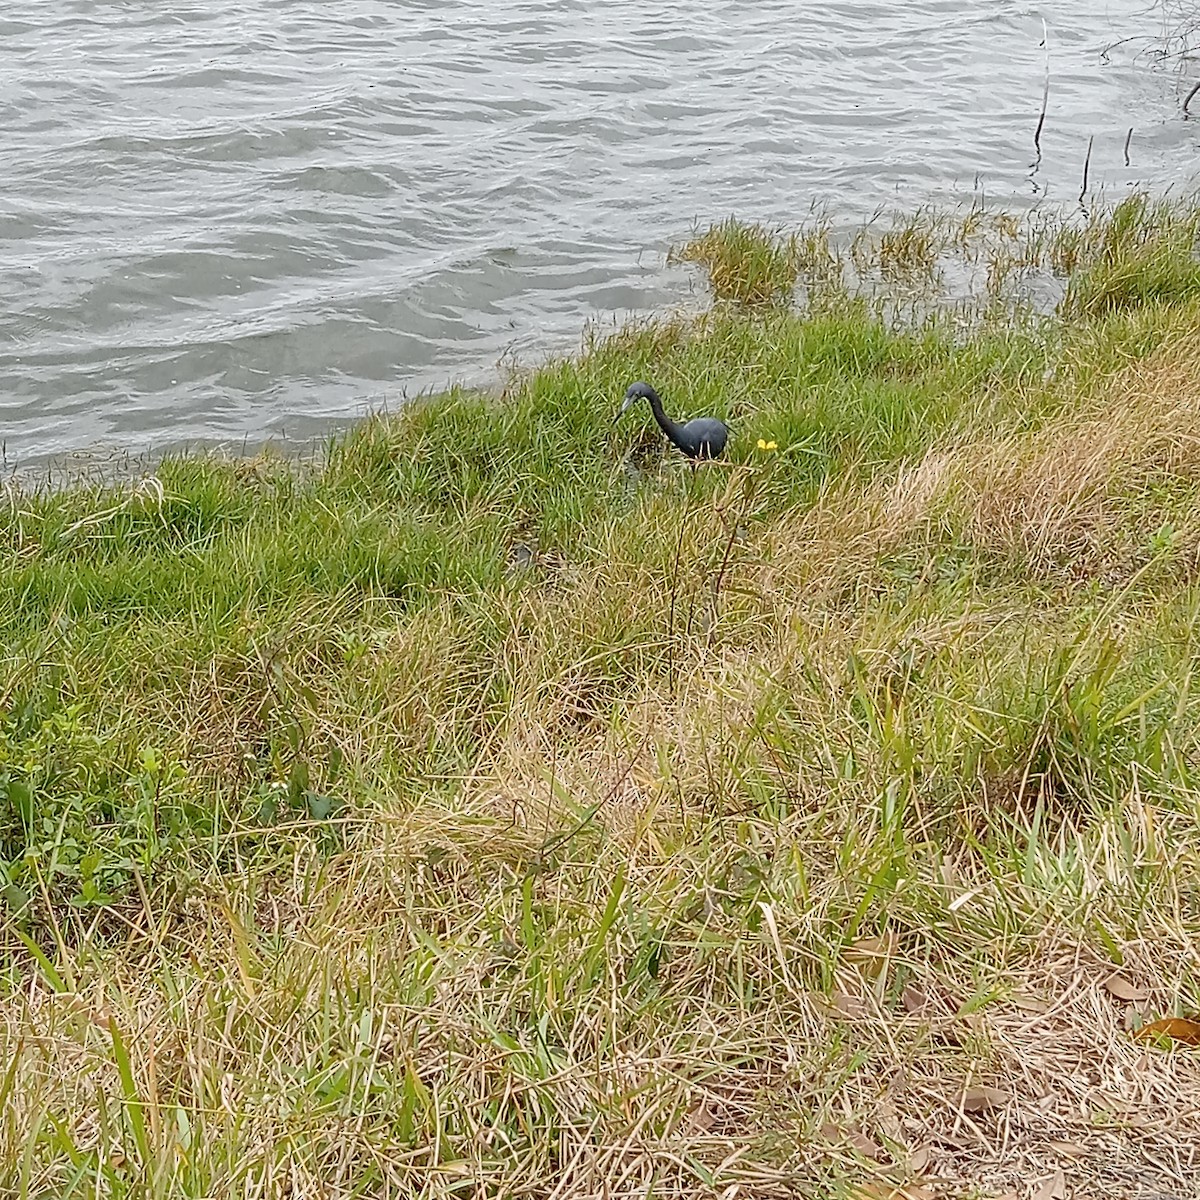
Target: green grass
[[496, 807]]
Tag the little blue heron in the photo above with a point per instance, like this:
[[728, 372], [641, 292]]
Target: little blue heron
[[702, 437]]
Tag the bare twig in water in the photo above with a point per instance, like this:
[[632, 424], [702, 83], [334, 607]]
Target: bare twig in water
[[1125, 41], [1087, 162], [1037, 133], [1128, 139], [1188, 101]]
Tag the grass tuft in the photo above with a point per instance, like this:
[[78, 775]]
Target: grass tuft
[[745, 264]]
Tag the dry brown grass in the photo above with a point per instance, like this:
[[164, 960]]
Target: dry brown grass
[[400, 969], [1062, 497], [1066, 500]]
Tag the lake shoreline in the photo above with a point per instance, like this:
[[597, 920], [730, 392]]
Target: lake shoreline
[[203, 242]]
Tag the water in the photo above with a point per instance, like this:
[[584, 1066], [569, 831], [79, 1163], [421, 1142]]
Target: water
[[244, 220]]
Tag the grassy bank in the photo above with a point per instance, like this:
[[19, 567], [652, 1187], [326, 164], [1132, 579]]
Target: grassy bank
[[497, 807]]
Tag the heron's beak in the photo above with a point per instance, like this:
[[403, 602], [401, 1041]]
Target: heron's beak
[[630, 401]]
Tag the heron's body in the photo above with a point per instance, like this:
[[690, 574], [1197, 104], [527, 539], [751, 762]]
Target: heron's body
[[701, 437]]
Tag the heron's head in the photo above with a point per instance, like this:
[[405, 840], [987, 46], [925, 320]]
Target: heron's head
[[635, 392]]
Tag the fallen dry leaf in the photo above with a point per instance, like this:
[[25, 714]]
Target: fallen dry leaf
[[700, 1120], [1179, 1029], [1119, 986], [848, 1006], [1054, 1188], [853, 1137], [982, 1097], [889, 1123], [919, 1160], [915, 999], [1029, 1003], [1070, 1149], [864, 1144], [870, 955]]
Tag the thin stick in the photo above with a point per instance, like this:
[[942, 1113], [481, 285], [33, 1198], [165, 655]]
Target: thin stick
[[734, 527], [1037, 133], [1128, 139], [720, 576], [675, 586], [1087, 162], [1190, 96]]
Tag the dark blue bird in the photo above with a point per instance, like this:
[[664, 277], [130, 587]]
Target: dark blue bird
[[702, 437]]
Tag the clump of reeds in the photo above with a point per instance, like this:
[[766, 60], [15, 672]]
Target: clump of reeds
[[908, 253], [1140, 253], [745, 264], [936, 262]]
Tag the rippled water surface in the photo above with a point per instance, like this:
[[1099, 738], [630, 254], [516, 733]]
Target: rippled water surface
[[238, 220]]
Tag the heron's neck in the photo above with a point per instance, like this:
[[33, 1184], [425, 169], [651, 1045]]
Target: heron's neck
[[664, 422]]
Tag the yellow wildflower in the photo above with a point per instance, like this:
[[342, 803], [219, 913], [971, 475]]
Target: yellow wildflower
[[765, 445]]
